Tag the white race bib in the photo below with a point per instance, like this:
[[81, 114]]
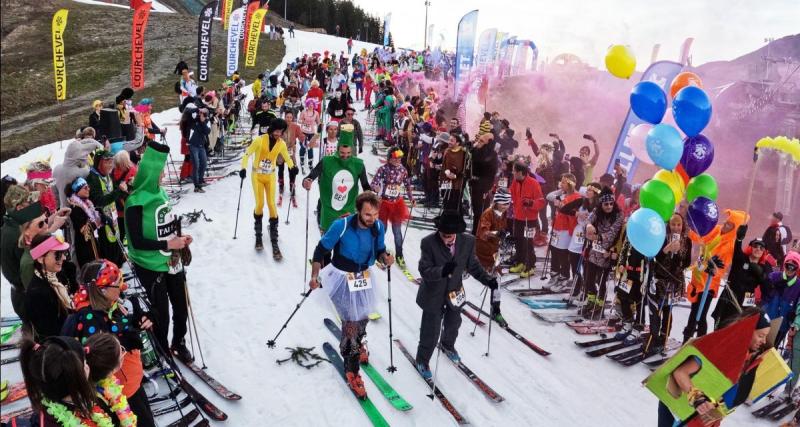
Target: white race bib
[[457, 297], [579, 238], [749, 300], [597, 247], [625, 286], [358, 281], [392, 191], [502, 183], [265, 167], [530, 233], [447, 185]]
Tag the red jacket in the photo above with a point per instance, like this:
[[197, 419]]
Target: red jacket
[[316, 92], [563, 221], [526, 195]]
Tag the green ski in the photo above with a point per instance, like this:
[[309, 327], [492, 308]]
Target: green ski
[[388, 392], [369, 408]]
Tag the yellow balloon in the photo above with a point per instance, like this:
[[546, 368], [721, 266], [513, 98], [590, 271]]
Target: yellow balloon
[[620, 61], [674, 181]]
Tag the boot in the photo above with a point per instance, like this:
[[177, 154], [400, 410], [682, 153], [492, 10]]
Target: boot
[[356, 385], [527, 273], [519, 268], [273, 237], [496, 316], [257, 227], [363, 354], [181, 352]]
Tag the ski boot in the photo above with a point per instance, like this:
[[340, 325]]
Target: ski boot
[[363, 354], [452, 355], [401, 262], [633, 336], [527, 273], [497, 317], [627, 328], [182, 353], [257, 227], [356, 385], [424, 370], [273, 237], [519, 268]]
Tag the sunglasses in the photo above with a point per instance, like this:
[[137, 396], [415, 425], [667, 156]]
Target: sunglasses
[[609, 204], [60, 254], [790, 267]]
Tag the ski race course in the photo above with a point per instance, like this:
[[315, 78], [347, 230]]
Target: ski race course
[[241, 298]]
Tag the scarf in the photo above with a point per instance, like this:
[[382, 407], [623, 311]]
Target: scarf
[[88, 207], [58, 288]]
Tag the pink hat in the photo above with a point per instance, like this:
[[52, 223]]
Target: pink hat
[[53, 243]]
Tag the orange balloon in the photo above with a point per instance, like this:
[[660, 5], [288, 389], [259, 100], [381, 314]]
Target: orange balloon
[[682, 173], [686, 78]]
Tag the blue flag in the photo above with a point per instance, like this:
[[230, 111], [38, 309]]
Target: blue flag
[[465, 46]]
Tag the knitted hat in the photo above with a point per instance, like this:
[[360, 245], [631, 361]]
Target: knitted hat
[[346, 135], [606, 195], [502, 197]]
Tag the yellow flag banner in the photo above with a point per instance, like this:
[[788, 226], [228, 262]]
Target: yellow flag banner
[[256, 24], [227, 8], [59, 59]]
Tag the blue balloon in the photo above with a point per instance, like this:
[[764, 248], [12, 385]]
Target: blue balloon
[[646, 231], [703, 215], [664, 146], [649, 102], [691, 109]]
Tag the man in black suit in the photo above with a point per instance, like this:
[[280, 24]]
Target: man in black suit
[[445, 255]]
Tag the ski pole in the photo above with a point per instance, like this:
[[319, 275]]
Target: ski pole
[[704, 297], [483, 300], [271, 343], [194, 323], [391, 367], [489, 340], [410, 212], [305, 258], [438, 353], [239, 204], [288, 209]]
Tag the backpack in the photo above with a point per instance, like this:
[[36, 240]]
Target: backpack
[[178, 87], [251, 106]]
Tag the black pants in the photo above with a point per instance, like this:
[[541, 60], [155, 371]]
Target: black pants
[[559, 261], [660, 310], [524, 245], [480, 199], [696, 327], [163, 290], [452, 200], [140, 407], [574, 264], [432, 321], [292, 177], [595, 279]]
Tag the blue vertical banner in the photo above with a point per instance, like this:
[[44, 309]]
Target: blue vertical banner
[[661, 73], [486, 45], [387, 22], [465, 47]]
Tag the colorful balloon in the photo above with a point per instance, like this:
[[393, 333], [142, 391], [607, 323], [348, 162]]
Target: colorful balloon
[[686, 78], [658, 196], [703, 185], [698, 153], [646, 231], [703, 215], [674, 181], [648, 102], [620, 61], [692, 110], [637, 138], [664, 146]]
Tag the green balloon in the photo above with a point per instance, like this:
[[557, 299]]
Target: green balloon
[[658, 196], [703, 185]]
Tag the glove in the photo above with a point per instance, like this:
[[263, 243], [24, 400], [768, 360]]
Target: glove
[[741, 232], [492, 284], [294, 170], [243, 173], [448, 268]]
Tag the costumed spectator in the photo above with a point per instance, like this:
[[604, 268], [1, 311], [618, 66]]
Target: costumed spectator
[[492, 230], [602, 230], [452, 178], [154, 249], [40, 179], [358, 133], [89, 234], [104, 357], [782, 293], [124, 171], [47, 297], [75, 164], [104, 195]]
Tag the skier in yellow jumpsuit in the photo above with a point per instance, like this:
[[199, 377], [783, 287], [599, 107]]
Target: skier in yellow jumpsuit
[[265, 149]]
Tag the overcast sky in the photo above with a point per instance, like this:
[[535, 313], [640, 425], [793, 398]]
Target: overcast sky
[[722, 29]]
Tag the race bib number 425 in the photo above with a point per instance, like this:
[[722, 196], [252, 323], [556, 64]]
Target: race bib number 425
[[358, 281]]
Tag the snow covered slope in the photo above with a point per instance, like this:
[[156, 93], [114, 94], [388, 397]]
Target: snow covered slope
[[241, 298]]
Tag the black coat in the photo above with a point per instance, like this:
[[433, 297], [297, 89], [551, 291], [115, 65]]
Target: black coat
[[43, 308], [434, 288]]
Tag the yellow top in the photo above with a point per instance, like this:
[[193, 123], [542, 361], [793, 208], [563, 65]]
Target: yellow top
[[265, 159]]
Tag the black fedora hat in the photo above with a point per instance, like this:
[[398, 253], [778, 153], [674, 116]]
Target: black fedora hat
[[450, 222]]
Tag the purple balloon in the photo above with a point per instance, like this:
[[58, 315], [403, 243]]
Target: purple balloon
[[703, 215], [698, 153]]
